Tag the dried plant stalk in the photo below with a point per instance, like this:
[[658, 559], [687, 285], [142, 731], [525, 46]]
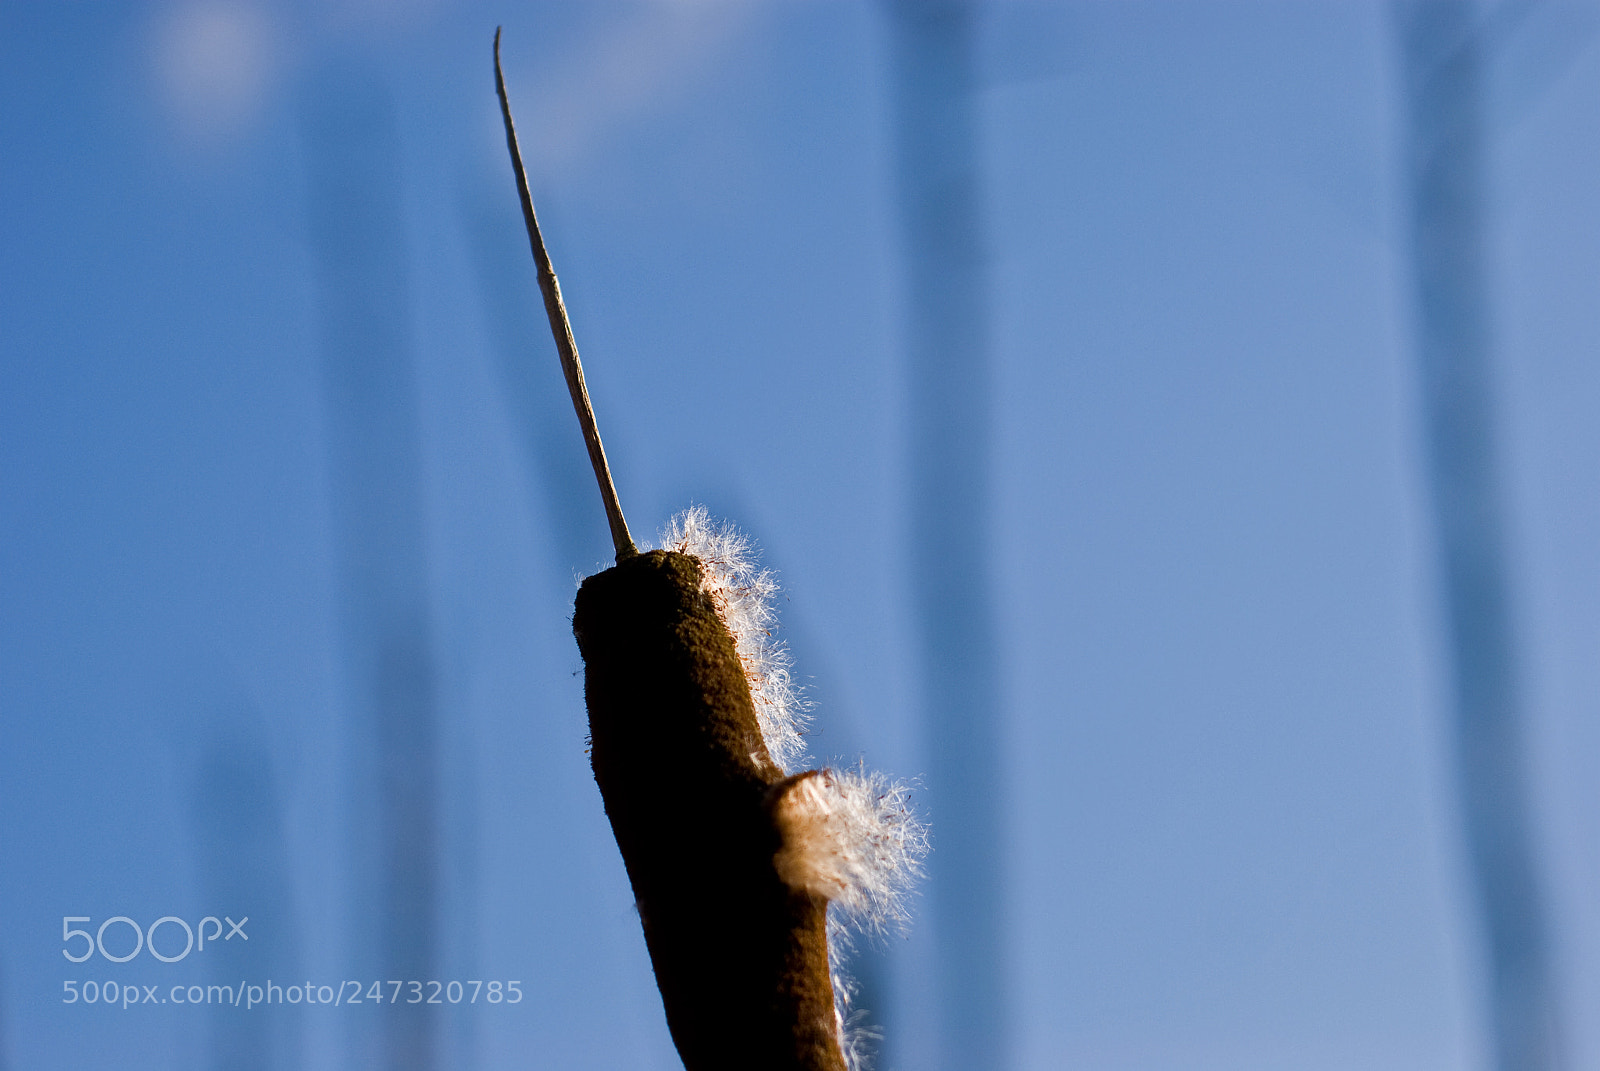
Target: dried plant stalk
[[734, 862]]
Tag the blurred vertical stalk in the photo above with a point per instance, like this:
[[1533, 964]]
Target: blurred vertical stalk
[[244, 868], [374, 436], [5, 1050], [936, 130], [1442, 53]]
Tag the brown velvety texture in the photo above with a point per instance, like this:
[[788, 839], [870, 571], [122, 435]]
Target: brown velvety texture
[[740, 958]]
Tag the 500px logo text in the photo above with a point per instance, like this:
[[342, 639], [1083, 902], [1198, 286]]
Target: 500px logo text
[[194, 937]]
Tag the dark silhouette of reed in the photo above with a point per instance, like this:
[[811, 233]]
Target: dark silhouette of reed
[[244, 870], [375, 462], [1443, 50], [947, 370]]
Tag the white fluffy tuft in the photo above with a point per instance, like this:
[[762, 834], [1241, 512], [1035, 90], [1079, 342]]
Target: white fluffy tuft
[[742, 594], [851, 837]]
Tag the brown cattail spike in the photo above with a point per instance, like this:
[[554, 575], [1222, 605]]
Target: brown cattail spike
[[740, 954], [561, 328]]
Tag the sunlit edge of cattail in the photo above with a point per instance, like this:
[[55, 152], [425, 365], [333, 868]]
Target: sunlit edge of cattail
[[850, 836], [743, 594]]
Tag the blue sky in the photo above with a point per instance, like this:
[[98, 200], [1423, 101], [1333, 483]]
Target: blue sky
[[1231, 836]]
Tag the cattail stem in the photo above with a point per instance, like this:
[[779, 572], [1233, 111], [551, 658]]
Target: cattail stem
[[701, 811], [561, 328]]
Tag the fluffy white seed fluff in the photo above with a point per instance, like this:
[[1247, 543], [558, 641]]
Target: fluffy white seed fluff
[[848, 836], [857, 1039]]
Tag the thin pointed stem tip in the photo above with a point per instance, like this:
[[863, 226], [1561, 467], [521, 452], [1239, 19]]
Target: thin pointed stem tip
[[561, 328]]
